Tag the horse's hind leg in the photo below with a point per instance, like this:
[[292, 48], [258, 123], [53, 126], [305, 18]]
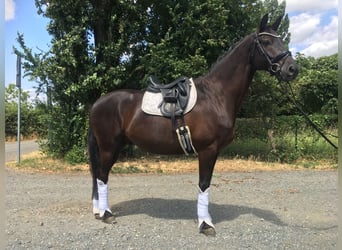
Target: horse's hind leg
[[94, 161], [207, 160], [107, 159], [101, 161]]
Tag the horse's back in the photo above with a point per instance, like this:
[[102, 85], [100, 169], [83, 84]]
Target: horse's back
[[113, 102], [116, 97], [112, 109]]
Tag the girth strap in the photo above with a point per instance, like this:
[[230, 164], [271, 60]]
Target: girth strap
[[184, 138]]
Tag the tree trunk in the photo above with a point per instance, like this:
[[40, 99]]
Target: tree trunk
[[102, 15]]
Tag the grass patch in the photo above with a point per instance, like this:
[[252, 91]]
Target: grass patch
[[309, 164], [307, 147], [164, 165], [247, 149], [38, 162], [131, 169]]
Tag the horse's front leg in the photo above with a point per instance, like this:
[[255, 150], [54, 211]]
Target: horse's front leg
[[207, 160]]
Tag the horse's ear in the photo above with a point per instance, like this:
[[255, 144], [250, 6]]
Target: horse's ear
[[263, 23], [276, 24]]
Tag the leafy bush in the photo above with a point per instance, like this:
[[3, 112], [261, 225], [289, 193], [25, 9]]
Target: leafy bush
[[76, 155], [294, 139], [65, 134]]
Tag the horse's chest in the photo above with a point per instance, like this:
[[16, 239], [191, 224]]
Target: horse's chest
[[225, 137], [225, 130]]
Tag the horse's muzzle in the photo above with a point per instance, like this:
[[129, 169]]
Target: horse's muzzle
[[289, 71]]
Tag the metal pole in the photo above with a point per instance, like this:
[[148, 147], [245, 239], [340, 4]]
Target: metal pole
[[18, 136], [18, 84], [296, 134]]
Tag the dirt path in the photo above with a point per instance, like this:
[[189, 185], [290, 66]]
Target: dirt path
[[251, 210], [26, 147]]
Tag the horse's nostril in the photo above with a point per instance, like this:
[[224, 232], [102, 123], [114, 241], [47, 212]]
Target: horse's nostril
[[292, 69]]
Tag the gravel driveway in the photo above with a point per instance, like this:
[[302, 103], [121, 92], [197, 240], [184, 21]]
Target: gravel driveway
[[256, 210]]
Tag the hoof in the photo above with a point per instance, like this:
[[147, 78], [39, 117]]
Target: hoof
[[107, 217], [207, 230]]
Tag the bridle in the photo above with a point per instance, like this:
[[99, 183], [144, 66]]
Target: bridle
[[273, 63]]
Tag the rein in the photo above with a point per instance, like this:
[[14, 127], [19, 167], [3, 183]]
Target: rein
[[292, 99], [273, 63]]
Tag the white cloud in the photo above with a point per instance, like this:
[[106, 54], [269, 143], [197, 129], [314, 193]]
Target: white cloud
[[323, 48], [315, 39], [303, 26], [324, 41], [313, 26], [309, 5], [9, 10]]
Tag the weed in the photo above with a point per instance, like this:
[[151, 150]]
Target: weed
[[120, 169]]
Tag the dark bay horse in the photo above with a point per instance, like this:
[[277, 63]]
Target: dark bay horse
[[117, 119]]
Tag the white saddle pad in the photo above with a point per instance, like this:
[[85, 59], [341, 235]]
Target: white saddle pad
[[151, 101]]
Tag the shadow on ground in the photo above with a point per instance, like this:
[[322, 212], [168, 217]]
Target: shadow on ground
[[176, 209]]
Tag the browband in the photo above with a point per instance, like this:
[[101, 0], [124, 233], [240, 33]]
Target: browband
[[268, 34]]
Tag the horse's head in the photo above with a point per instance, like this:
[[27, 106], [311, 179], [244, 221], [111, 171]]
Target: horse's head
[[270, 53]]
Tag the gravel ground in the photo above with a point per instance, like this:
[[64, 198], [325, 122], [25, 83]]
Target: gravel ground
[[251, 210]]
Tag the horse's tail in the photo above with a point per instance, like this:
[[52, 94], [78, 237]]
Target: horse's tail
[[93, 154]]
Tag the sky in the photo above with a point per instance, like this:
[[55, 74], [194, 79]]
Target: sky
[[313, 27]]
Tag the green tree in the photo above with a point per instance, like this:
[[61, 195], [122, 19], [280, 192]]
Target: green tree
[[195, 33], [318, 87], [28, 117]]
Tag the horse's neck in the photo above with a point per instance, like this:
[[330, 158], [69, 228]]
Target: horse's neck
[[235, 66], [234, 73]]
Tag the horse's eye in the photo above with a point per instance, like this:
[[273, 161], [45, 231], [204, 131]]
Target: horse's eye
[[266, 42]]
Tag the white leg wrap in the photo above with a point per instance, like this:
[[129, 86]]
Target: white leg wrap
[[96, 209], [103, 197], [202, 208]]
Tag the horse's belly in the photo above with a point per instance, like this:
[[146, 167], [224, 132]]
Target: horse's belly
[[155, 135], [157, 145]]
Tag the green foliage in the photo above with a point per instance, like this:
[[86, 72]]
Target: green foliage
[[195, 34], [318, 87], [248, 148], [293, 138], [29, 114], [65, 132], [76, 155], [315, 90]]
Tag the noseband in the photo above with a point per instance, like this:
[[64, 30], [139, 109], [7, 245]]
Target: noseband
[[273, 63]]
